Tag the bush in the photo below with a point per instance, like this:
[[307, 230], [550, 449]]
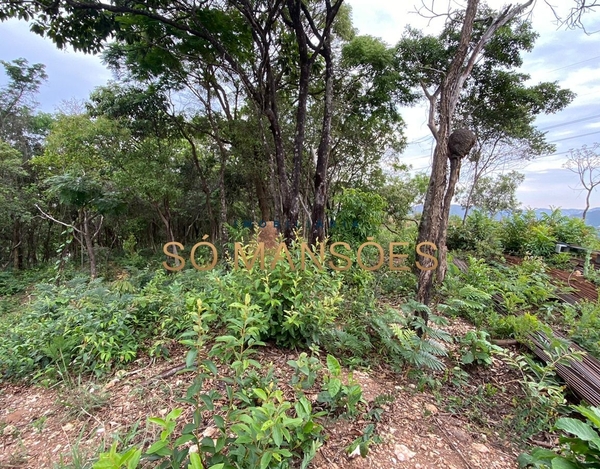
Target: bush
[[359, 215], [522, 233], [478, 235], [300, 303]]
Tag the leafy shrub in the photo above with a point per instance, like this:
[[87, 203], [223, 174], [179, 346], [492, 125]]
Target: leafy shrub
[[580, 448], [476, 348], [478, 235], [407, 340], [523, 233], [93, 326], [299, 303], [585, 330], [252, 423], [359, 215]]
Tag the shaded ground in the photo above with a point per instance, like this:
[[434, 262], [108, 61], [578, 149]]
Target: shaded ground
[[41, 427]]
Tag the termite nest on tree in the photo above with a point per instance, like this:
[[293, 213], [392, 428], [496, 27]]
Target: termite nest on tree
[[460, 143]]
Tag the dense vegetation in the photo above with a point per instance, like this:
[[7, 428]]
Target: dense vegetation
[[205, 136]]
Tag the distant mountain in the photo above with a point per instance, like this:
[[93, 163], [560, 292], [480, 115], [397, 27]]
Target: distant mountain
[[592, 218]]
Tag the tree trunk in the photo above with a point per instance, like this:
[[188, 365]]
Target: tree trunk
[[261, 194], [320, 201], [89, 244], [587, 204], [304, 63], [455, 164], [17, 245], [434, 220]]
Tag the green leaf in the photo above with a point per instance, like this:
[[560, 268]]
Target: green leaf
[[334, 387], [184, 439], [207, 401], [211, 366], [333, 365], [265, 460], [159, 448], [195, 462], [591, 413], [277, 436], [191, 358], [134, 460], [174, 414], [562, 463], [158, 421], [578, 428], [261, 394]]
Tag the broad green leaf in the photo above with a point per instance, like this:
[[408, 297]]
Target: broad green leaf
[[191, 358], [578, 428], [160, 448], [184, 439], [591, 413], [333, 365], [261, 394], [334, 387], [265, 460], [195, 462], [211, 366], [562, 463]]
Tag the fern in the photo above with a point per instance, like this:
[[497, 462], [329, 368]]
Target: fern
[[419, 352]]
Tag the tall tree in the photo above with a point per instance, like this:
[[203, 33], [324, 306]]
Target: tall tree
[[495, 194], [247, 38], [585, 162], [443, 66], [501, 108], [23, 129]]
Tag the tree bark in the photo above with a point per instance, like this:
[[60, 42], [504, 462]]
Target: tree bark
[[320, 201], [89, 243]]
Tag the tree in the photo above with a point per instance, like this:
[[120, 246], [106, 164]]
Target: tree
[[442, 68], [79, 175], [255, 41], [23, 130], [501, 109], [585, 162], [402, 193], [495, 194]]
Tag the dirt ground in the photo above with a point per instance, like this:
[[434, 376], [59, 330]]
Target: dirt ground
[[51, 427]]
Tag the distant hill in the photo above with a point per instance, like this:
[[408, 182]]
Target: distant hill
[[592, 218]]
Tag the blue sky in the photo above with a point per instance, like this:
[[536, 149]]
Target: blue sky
[[568, 56]]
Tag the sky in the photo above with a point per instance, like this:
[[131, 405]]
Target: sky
[[570, 57]]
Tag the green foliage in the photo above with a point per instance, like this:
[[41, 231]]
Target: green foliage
[[93, 326], [543, 390], [497, 194], [305, 371], [252, 423], [584, 326], [299, 303], [516, 327], [358, 216], [397, 337], [338, 395], [522, 233], [482, 290], [476, 348], [402, 193], [580, 443], [477, 235]]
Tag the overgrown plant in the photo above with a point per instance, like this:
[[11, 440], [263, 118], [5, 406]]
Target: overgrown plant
[[579, 444]]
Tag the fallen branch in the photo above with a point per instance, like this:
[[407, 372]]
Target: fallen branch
[[168, 373]]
